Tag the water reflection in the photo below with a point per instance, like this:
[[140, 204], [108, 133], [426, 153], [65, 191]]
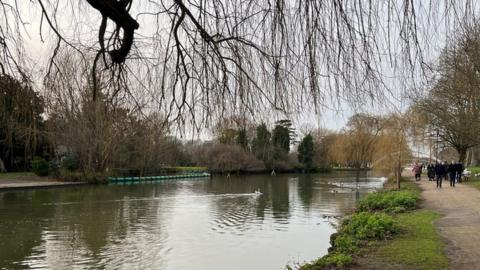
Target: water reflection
[[205, 224]]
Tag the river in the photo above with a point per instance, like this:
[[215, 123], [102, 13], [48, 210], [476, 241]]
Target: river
[[203, 224]]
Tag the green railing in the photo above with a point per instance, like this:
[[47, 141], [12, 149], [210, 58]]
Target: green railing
[[157, 178]]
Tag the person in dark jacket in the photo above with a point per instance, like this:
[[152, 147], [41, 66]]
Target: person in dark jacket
[[439, 173], [460, 169], [431, 172], [452, 173], [445, 170]]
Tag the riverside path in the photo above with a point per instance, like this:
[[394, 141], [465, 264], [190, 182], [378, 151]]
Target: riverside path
[[460, 223]]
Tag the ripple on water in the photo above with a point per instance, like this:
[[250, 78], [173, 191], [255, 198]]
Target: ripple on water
[[235, 216]]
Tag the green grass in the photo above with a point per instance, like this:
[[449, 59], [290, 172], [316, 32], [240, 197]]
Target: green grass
[[405, 184], [418, 247], [474, 170], [15, 175], [474, 181]]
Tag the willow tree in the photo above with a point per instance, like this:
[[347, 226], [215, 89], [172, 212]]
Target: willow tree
[[452, 104], [363, 131], [200, 59]]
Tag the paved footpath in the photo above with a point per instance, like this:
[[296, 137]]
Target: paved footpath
[[12, 184], [460, 224]]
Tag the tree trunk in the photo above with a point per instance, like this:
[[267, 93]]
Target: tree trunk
[[462, 153], [473, 157], [2, 166]]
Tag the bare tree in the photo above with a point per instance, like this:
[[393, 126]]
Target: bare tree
[[452, 104]]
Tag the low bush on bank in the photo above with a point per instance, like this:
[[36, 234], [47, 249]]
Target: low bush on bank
[[39, 166], [89, 177], [331, 259], [389, 201], [365, 226], [69, 163]]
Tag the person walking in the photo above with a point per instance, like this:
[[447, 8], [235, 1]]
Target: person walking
[[439, 173], [445, 170], [460, 169], [430, 172], [417, 170], [452, 173]]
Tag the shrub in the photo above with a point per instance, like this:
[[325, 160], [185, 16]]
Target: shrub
[[345, 244], [54, 168], [95, 177], [363, 226], [69, 163], [39, 166], [89, 177], [335, 259], [69, 176], [393, 201]]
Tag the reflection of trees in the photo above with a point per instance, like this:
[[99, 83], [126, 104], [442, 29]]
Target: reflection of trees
[[305, 190], [21, 225], [104, 217], [280, 197], [91, 219]]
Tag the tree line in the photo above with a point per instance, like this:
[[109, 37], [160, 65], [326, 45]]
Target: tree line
[[72, 133], [86, 135], [366, 142]]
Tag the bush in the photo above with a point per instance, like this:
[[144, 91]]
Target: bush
[[392, 202], [345, 244], [95, 177], [364, 226], [69, 163], [89, 177], [54, 168], [39, 166], [332, 259], [69, 176]]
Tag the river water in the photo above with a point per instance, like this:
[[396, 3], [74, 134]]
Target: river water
[[203, 224]]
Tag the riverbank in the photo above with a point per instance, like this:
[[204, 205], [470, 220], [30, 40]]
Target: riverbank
[[27, 180], [389, 230]]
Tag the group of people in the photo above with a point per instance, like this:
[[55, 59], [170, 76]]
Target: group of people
[[440, 171]]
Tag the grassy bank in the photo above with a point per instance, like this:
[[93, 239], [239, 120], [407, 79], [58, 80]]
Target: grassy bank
[[388, 230], [418, 246]]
